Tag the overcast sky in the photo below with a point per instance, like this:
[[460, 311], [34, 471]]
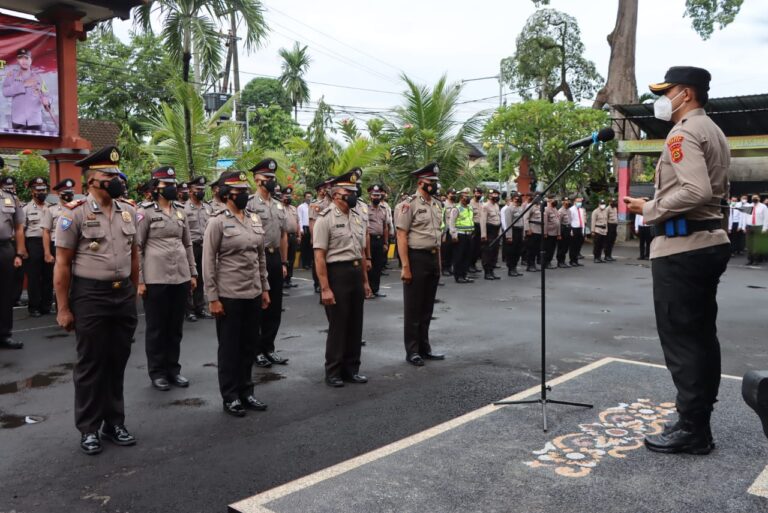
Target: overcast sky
[[366, 44]]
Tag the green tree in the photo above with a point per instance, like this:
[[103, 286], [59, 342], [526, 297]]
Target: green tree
[[549, 59], [31, 165], [295, 65], [136, 160], [539, 131], [271, 126], [265, 92], [317, 148], [191, 24]]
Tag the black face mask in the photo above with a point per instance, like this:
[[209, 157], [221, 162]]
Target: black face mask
[[478, 196], [429, 188], [114, 187], [169, 192], [270, 185], [494, 199], [184, 196], [67, 196], [287, 201], [376, 201], [199, 195], [554, 204], [452, 198], [240, 200], [350, 199], [40, 196]]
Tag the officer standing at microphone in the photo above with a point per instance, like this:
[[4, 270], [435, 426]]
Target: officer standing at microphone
[[689, 254]]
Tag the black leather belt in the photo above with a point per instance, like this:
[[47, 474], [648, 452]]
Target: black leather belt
[[600, 226], [197, 242], [103, 284], [704, 226], [6, 241], [351, 263], [431, 251], [376, 236]]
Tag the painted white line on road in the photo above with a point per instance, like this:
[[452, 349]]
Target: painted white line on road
[[760, 486], [635, 362]]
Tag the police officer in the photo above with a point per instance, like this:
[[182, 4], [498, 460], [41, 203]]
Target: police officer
[[564, 215], [691, 185], [318, 205], [551, 232], [418, 242], [490, 222], [217, 201], [446, 245], [378, 233], [613, 229], [599, 228], [476, 203], [533, 224], [338, 240], [272, 215], [28, 93], [96, 275], [461, 226], [167, 272], [9, 186], [513, 243], [184, 191], [12, 252], [294, 233], [66, 192], [235, 270], [197, 213], [39, 266]]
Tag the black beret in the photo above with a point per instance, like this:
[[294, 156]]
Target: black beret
[[64, 185], [686, 75]]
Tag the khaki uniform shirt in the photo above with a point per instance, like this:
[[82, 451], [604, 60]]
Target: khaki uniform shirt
[[11, 215], [291, 219], [489, 214], [318, 206], [33, 224], [102, 245], [691, 179], [390, 221], [234, 263], [363, 209], [421, 219], [272, 214], [51, 218], [551, 222], [476, 206], [377, 219], [217, 205], [565, 217], [197, 219], [532, 220], [599, 221], [613, 215], [341, 235], [165, 246], [510, 215]]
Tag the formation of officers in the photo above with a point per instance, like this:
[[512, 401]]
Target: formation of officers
[[231, 258]]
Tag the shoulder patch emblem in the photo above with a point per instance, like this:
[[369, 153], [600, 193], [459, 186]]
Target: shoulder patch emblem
[[675, 145], [139, 217], [405, 207], [65, 223]]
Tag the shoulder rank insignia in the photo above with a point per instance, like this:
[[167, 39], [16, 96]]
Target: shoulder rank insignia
[[127, 217], [74, 204]]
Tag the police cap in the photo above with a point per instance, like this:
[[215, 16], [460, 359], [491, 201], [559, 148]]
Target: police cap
[[686, 75], [266, 167], [428, 172], [105, 160]]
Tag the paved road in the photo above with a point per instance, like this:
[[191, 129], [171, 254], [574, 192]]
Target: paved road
[[192, 457]]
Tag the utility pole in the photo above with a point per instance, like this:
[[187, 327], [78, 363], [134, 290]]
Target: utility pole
[[233, 48]]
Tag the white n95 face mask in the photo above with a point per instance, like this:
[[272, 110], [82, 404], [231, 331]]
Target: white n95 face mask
[[662, 108]]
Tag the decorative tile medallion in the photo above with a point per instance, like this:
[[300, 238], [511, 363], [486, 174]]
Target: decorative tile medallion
[[620, 429]]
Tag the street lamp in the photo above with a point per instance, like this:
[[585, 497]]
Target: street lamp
[[250, 108]]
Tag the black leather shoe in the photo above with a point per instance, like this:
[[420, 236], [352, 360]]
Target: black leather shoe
[[494, 276], [356, 378], [610, 259], [276, 358], [531, 269], [415, 359], [234, 408], [191, 317], [334, 381], [379, 294], [317, 289], [161, 384], [563, 265], [754, 389], [179, 381], [433, 356], [203, 315], [681, 436], [513, 272], [261, 361], [252, 403], [35, 313], [599, 261], [118, 435], [474, 269], [576, 264], [463, 280], [550, 266], [90, 443], [9, 343], [488, 276]]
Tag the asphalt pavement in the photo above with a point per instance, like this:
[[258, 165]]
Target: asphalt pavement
[[191, 457]]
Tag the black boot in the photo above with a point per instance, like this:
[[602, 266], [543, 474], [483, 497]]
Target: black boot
[[754, 389], [691, 434]]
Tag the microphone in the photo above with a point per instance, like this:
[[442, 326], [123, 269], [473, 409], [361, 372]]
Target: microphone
[[605, 134]]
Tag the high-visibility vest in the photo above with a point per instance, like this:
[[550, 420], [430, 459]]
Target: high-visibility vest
[[465, 221]]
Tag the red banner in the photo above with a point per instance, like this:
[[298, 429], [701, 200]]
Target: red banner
[[29, 73]]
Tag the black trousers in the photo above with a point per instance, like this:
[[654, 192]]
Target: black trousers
[[577, 240], [564, 244], [345, 320], [753, 238], [419, 300], [532, 248], [598, 244], [610, 239], [378, 259], [196, 300], [476, 247], [292, 246], [685, 301], [513, 247], [737, 239], [461, 255], [7, 291], [18, 283], [271, 317], [490, 252], [39, 277], [164, 316], [550, 246], [645, 235], [105, 321], [237, 332]]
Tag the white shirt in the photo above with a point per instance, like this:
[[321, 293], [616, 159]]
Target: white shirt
[[639, 222], [735, 216], [577, 222], [759, 214], [303, 211], [503, 222]]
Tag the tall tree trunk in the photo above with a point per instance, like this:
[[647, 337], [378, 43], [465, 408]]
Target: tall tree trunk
[[186, 58], [296, 112], [225, 79]]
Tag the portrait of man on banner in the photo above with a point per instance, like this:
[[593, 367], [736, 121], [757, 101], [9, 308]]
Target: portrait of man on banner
[[29, 74]]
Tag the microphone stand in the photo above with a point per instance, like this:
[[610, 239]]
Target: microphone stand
[[543, 400]]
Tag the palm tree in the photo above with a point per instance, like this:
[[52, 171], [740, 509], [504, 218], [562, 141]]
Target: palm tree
[[295, 65], [191, 24]]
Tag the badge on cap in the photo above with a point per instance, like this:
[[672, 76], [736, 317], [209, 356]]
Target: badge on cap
[[114, 156], [69, 183], [436, 169], [272, 165], [242, 177], [171, 172], [127, 217]]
